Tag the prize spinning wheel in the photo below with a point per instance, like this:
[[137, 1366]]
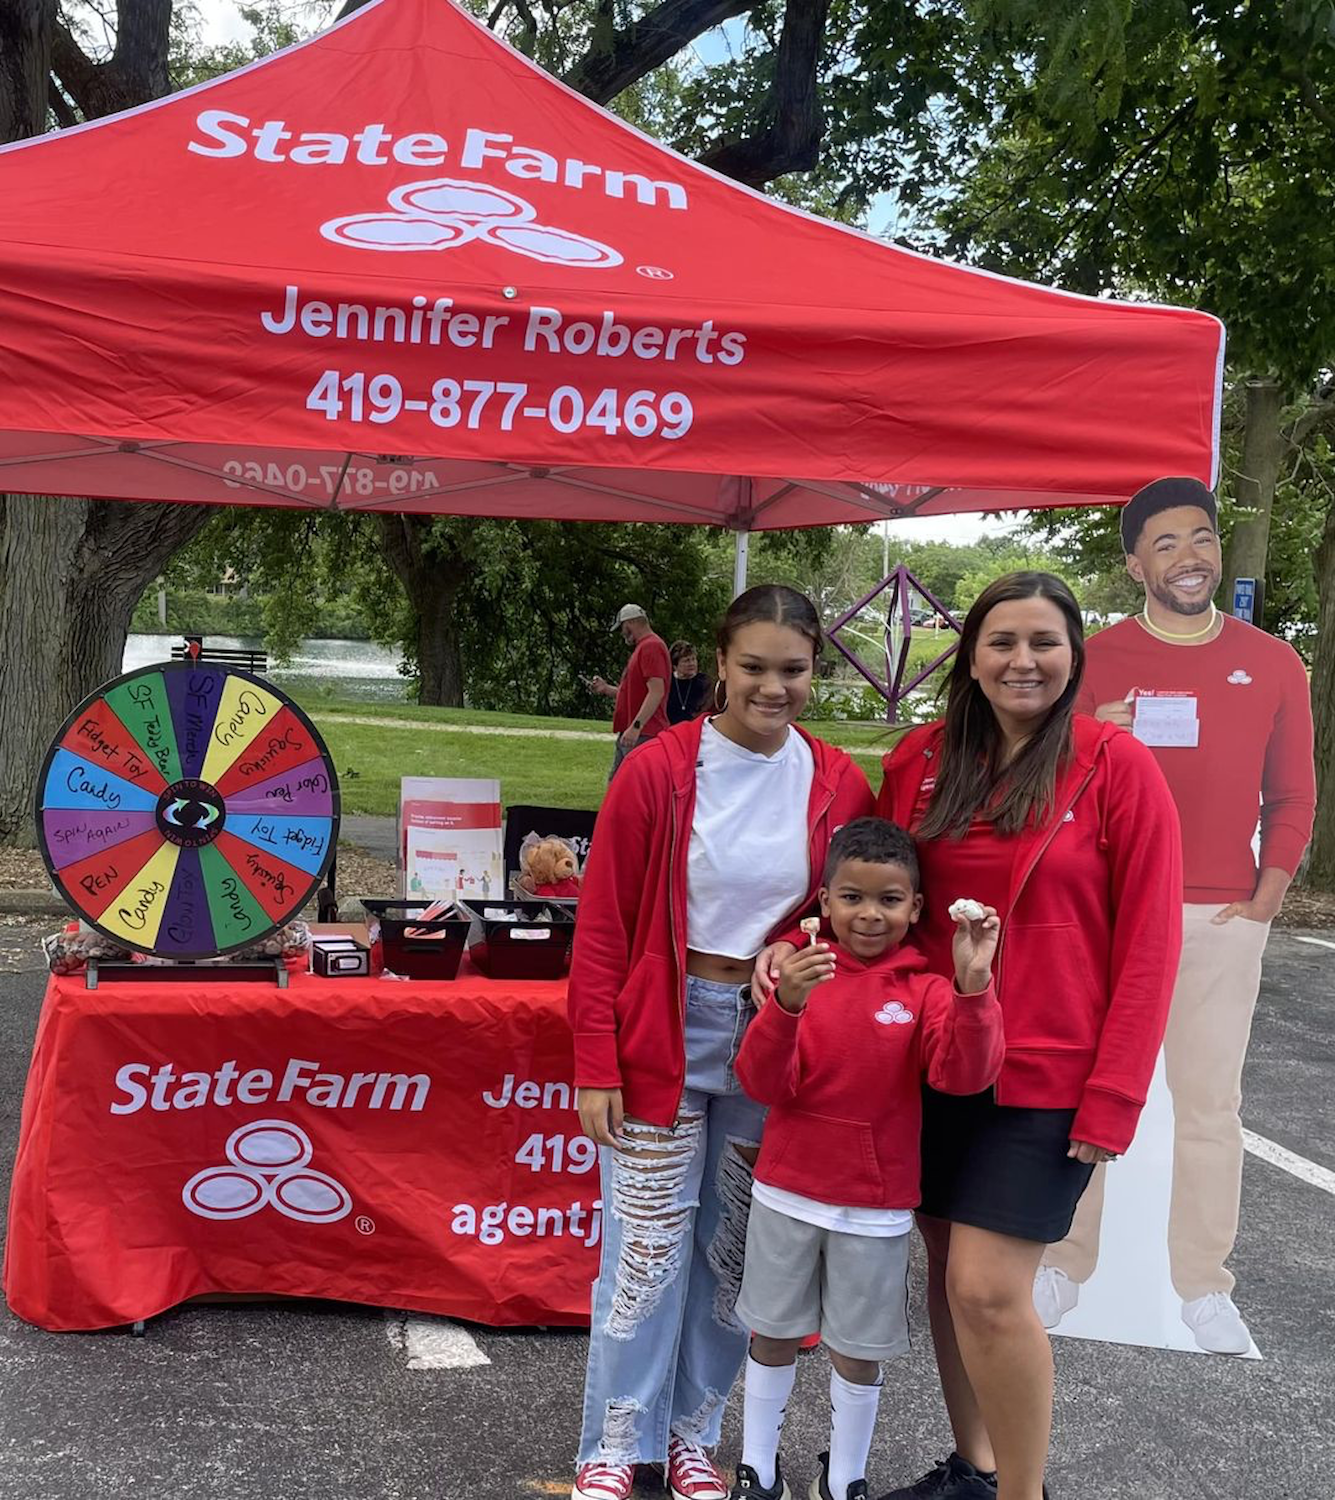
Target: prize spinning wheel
[[187, 809]]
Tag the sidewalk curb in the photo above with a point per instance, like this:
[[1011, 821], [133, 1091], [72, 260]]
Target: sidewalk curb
[[32, 903]]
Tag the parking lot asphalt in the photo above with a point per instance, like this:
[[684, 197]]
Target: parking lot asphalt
[[294, 1400]]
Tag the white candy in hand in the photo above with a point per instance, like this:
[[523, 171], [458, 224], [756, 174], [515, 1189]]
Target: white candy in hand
[[811, 926], [971, 911]]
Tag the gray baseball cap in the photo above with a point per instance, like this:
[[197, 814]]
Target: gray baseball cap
[[628, 612]]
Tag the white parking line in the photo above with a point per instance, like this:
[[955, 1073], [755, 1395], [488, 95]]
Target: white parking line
[[1315, 942], [433, 1343], [1299, 1166]]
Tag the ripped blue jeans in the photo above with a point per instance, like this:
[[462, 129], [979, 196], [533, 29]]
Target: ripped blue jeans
[[664, 1345]]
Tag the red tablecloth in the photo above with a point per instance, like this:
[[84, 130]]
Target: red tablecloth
[[404, 1144]]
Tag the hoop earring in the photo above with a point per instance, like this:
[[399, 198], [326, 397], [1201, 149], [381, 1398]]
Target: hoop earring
[[720, 706]]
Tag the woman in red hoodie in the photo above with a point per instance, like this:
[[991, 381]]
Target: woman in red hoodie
[[1067, 827], [712, 838]]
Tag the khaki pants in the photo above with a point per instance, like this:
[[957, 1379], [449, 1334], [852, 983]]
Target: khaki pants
[[1209, 1026]]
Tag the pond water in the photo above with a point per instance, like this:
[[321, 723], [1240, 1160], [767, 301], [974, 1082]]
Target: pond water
[[359, 670]]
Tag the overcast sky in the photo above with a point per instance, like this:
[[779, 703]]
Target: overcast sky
[[221, 22]]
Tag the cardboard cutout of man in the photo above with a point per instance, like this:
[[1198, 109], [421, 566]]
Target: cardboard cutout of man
[[1226, 710]]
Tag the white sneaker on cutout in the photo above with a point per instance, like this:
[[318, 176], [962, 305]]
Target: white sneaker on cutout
[[1055, 1294], [1217, 1324]]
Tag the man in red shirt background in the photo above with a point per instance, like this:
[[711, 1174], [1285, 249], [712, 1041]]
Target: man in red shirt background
[[1226, 709], [639, 713]]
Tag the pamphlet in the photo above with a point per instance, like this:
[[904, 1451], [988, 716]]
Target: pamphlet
[[449, 838], [1164, 718]]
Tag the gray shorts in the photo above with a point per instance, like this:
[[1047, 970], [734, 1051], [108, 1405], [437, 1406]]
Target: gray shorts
[[800, 1279]]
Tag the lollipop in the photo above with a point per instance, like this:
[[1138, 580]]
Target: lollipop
[[971, 911], [811, 926]]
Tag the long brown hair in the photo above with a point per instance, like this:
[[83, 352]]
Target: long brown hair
[[972, 781]]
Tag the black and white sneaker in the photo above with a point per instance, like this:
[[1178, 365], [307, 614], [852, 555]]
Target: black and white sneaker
[[820, 1486], [749, 1487], [954, 1478]]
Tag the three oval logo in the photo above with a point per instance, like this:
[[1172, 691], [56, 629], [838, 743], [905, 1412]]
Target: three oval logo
[[444, 212], [268, 1164], [894, 1013]]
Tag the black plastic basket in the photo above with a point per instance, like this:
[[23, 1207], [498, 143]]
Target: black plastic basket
[[534, 906], [530, 949], [420, 957]]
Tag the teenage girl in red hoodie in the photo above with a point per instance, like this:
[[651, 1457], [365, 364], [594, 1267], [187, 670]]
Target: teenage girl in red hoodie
[[1067, 827], [712, 838]]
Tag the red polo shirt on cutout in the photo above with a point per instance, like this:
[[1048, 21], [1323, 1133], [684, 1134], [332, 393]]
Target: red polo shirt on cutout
[[1253, 755]]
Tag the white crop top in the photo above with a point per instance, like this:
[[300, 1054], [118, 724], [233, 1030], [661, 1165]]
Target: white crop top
[[747, 867]]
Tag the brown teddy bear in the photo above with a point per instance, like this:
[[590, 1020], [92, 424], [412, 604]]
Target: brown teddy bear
[[549, 867]]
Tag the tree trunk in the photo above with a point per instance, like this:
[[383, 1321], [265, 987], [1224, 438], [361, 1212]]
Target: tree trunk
[[134, 73], [438, 658], [615, 59], [794, 126], [71, 572], [25, 64], [1262, 449], [1321, 865], [431, 577]]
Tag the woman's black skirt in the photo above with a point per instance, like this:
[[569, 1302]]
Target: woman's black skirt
[[998, 1167]]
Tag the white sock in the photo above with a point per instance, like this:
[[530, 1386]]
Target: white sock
[[852, 1420], [768, 1388]]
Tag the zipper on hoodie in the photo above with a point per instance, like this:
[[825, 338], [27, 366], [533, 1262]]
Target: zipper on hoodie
[[678, 958], [1051, 834], [821, 812], [811, 852], [1057, 822]]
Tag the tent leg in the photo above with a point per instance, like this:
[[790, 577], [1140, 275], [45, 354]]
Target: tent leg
[[743, 541]]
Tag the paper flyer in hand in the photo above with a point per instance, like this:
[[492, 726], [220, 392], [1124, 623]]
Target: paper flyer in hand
[[1163, 717]]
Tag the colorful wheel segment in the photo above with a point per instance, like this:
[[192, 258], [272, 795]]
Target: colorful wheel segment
[[187, 810]]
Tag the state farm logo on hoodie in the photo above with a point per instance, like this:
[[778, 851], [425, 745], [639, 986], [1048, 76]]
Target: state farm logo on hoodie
[[894, 1013]]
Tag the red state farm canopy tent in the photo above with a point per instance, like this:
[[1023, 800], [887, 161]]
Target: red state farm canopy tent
[[399, 267]]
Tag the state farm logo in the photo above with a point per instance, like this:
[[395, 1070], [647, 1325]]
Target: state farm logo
[[893, 1013], [443, 213], [267, 1166]]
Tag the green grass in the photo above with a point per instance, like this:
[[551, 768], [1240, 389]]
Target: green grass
[[371, 758], [553, 773], [856, 735], [370, 761], [838, 732], [321, 708]]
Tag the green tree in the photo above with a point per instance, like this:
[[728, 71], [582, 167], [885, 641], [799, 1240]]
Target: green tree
[[1015, 559], [500, 614], [1186, 152]]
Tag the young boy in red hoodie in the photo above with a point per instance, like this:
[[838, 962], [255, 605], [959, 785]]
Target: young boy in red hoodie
[[840, 1057]]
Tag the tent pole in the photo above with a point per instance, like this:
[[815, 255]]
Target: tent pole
[[743, 547]]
